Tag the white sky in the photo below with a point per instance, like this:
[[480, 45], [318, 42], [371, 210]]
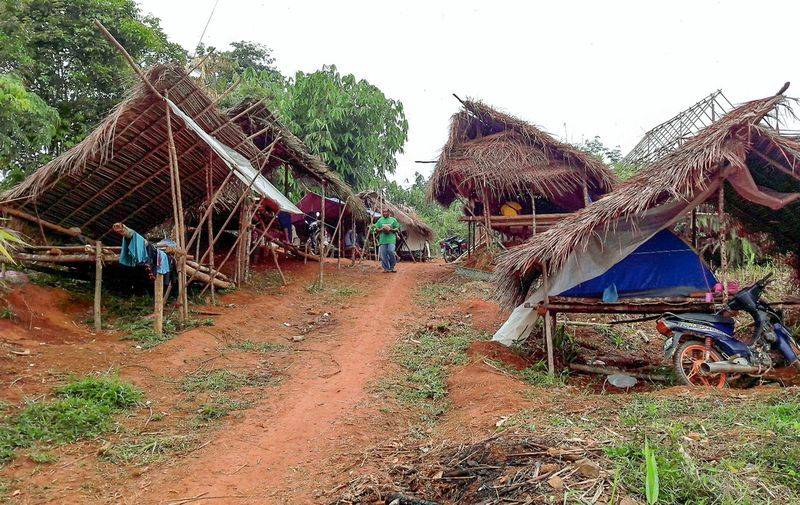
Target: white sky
[[576, 68]]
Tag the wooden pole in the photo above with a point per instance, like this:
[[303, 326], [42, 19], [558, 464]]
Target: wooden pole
[[723, 235], [127, 57], [70, 232], [158, 302], [487, 218], [210, 220], [322, 237], [180, 231], [586, 200], [98, 285], [277, 265], [548, 321], [533, 213], [694, 228]]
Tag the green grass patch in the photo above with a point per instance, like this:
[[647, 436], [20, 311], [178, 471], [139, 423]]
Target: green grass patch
[[42, 457], [267, 282], [437, 292], [260, 347], [219, 407], [426, 358], [83, 408], [141, 330], [332, 290], [534, 375], [223, 380], [147, 449]]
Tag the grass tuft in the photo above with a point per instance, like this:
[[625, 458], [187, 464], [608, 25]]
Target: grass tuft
[[82, 408], [222, 380]]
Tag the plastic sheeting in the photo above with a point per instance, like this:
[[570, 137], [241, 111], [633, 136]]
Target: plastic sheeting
[[312, 202], [240, 165], [664, 265]]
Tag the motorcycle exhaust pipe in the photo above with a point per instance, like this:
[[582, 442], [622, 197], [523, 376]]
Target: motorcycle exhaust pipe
[[728, 367]]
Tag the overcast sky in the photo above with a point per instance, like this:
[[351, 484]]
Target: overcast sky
[[576, 68]]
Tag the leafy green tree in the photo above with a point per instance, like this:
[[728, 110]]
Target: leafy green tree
[[350, 123], [54, 47], [27, 126], [250, 60]]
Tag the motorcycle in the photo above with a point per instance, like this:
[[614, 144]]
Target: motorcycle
[[317, 234], [705, 352], [452, 248]]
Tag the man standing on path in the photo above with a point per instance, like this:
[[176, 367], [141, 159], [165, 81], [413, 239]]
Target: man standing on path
[[388, 227]]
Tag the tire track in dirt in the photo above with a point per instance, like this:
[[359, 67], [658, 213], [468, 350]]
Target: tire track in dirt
[[293, 432]]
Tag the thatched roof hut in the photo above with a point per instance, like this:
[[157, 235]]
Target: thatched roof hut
[[759, 169], [261, 124], [408, 217], [121, 171], [508, 157]]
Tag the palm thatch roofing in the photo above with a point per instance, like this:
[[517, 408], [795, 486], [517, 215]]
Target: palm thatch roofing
[[258, 122], [120, 172], [738, 140], [407, 216], [507, 156]]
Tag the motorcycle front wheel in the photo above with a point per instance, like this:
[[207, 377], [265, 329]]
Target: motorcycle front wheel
[[687, 360]]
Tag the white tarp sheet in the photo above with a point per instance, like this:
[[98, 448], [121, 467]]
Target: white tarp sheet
[[240, 165]]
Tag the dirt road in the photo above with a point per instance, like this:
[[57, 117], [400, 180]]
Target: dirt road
[[276, 452]]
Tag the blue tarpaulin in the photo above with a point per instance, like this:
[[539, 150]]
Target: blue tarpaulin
[[662, 266]]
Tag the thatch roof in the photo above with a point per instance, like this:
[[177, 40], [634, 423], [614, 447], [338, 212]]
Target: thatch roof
[[737, 140], [258, 121], [407, 216], [120, 172], [509, 157]]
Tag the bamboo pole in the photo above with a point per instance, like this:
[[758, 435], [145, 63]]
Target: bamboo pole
[[548, 321], [723, 235], [210, 220], [322, 238], [487, 218], [127, 57], [158, 301], [180, 231], [277, 265], [98, 285], [70, 232], [533, 214]]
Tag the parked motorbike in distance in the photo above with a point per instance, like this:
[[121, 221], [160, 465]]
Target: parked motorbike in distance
[[452, 248], [317, 234], [705, 352]]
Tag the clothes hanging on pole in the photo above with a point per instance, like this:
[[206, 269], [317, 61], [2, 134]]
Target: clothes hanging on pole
[[134, 251]]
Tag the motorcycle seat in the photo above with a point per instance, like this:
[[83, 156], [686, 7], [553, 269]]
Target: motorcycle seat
[[701, 317]]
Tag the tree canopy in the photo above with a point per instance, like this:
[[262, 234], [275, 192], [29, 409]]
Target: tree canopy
[[55, 50]]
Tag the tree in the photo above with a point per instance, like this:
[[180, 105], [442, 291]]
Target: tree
[[250, 60], [54, 47], [349, 123], [609, 156], [27, 127]]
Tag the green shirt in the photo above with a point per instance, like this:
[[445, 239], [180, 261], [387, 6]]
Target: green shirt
[[387, 238]]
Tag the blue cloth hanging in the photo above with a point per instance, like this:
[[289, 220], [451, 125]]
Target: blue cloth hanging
[[134, 251], [163, 263]]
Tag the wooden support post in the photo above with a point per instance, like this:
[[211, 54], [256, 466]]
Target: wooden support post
[[286, 180], [487, 218], [694, 228], [158, 305], [548, 322], [533, 214], [321, 245], [210, 221], [355, 238], [180, 230], [723, 236], [277, 265], [98, 285]]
